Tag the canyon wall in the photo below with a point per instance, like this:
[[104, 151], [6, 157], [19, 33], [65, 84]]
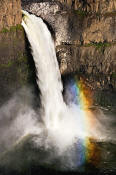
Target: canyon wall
[[13, 64]]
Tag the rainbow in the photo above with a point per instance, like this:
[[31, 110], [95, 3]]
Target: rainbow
[[82, 96]]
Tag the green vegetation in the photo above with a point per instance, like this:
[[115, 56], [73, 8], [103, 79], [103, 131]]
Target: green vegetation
[[114, 75], [7, 65], [99, 45], [81, 13], [12, 29], [15, 28], [21, 68], [4, 30], [21, 59]]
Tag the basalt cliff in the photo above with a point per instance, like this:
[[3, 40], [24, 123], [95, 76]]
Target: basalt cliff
[[85, 38]]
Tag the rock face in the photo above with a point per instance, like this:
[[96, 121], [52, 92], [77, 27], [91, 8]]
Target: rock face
[[13, 68], [98, 6], [45, 8], [76, 28], [10, 13], [96, 63]]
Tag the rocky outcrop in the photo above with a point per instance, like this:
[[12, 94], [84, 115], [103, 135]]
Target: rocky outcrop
[[98, 6], [12, 44], [96, 63], [77, 28], [10, 13], [13, 66], [45, 8]]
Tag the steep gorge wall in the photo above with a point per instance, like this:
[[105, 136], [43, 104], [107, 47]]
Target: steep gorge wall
[[13, 60]]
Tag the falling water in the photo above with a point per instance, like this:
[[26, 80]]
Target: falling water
[[48, 74]]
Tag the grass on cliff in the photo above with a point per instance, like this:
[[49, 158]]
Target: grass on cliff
[[81, 13], [99, 45], [20, 59], [12, 29]]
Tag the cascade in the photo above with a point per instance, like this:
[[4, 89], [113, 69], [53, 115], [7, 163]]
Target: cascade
[[48, 74]]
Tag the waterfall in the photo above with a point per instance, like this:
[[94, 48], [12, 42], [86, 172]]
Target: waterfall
[[60, 121], [48, 74]]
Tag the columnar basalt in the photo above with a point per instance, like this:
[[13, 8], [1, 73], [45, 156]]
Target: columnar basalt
[[97, 63], [98, 6], [12, 49], [10, 13]]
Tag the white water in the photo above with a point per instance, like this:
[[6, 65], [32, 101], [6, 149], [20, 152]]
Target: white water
[[49, 79], [59, 121]]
